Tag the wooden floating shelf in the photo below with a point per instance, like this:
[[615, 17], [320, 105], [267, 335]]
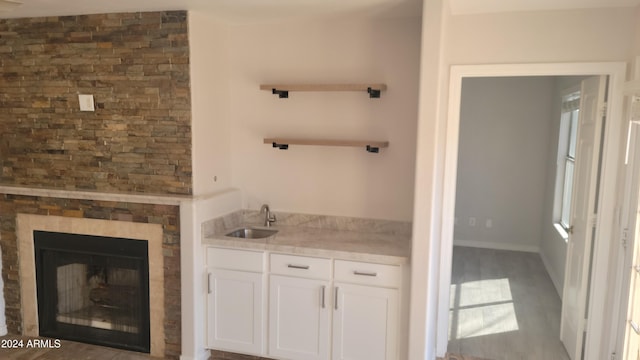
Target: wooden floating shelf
[[282, 90], [370, 146]]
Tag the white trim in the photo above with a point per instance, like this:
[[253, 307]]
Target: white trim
[[555, 279], [561, 231], [202, 355], [597, 342], [192, 214], [497, 245], [628, 223]]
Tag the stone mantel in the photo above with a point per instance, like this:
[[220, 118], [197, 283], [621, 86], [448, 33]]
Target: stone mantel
[[158, 199]]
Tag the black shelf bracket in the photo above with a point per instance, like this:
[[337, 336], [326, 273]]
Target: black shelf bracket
[[280, 146], [373, 93], [373, 149], [282, 94]]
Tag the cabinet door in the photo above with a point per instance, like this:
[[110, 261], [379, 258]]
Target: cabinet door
[[235, 316], [365, 323], [298, 318]]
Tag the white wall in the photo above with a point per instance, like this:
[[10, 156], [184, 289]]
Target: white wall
[[325, 180], [210, 96], [544, 36], [592, 35], [636, 39], [193, 213], [502, 161], [231, 116]]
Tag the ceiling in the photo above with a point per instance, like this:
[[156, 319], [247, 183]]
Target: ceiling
[[266, 10], [233, 10], [460, 7]]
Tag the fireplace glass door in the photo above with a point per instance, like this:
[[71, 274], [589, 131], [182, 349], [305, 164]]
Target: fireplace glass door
[[93, 289]]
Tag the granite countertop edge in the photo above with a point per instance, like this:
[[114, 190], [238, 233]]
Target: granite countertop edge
[[390, 249]]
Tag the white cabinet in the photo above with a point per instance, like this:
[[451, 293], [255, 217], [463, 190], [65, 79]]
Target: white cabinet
[[235, 300], [365, 322], [299, 313], [311, 309], [366, 311], [298, 318]]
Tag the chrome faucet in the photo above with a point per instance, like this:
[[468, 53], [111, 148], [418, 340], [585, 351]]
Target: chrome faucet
[[269, 218]]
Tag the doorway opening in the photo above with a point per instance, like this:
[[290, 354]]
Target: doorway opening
[[597, 341], [517, 156]]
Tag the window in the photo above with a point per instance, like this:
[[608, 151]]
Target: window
[[566, 161]]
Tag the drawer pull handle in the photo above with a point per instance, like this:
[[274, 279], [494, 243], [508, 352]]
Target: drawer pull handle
[[635, 327], [208, 283], [302, 267], [336, 298], [322, 296], [365, 273]]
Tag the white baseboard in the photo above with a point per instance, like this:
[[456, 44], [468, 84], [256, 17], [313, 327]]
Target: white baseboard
[[497, 245], [552, 274], [202, 355]]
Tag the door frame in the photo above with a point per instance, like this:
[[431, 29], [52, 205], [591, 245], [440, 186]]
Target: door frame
[[599, 341]]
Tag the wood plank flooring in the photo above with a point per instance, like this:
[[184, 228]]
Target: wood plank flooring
[[503, 306], [77, 351], [10, 349]]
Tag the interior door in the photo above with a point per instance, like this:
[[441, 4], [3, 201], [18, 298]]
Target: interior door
[[632, 336], [583, 215], [632, 329]]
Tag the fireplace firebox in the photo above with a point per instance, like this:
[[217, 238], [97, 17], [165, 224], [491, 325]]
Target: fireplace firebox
[[93, 289]]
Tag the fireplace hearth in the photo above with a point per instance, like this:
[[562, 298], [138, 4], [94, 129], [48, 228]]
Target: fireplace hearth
[[93, 289]]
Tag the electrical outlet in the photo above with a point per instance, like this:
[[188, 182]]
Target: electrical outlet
[[86, 103], [472, 221], [488, 223]]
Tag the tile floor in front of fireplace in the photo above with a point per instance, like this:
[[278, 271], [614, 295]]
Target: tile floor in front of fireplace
[[14, 347]]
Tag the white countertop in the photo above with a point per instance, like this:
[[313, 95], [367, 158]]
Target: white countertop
[[338, 244]]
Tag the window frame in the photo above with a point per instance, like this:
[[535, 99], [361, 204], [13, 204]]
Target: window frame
[[566, 154]]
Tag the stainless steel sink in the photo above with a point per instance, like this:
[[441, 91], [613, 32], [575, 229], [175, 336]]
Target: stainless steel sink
[[251, 233]]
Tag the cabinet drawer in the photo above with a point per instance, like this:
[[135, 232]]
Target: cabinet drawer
[[368, 273], [303, 266], [233, 259]]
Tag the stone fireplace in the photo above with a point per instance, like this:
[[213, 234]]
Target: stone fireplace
[[154, 220], [92, 289], [126, 165], [27, 224]]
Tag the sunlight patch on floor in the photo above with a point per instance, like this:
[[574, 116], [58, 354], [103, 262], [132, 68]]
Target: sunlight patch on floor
[[481, 308]]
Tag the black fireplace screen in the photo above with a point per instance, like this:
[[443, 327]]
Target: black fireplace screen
[[93, 289]]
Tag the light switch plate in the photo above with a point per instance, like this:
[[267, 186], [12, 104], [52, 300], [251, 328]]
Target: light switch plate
[[86, 103]]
